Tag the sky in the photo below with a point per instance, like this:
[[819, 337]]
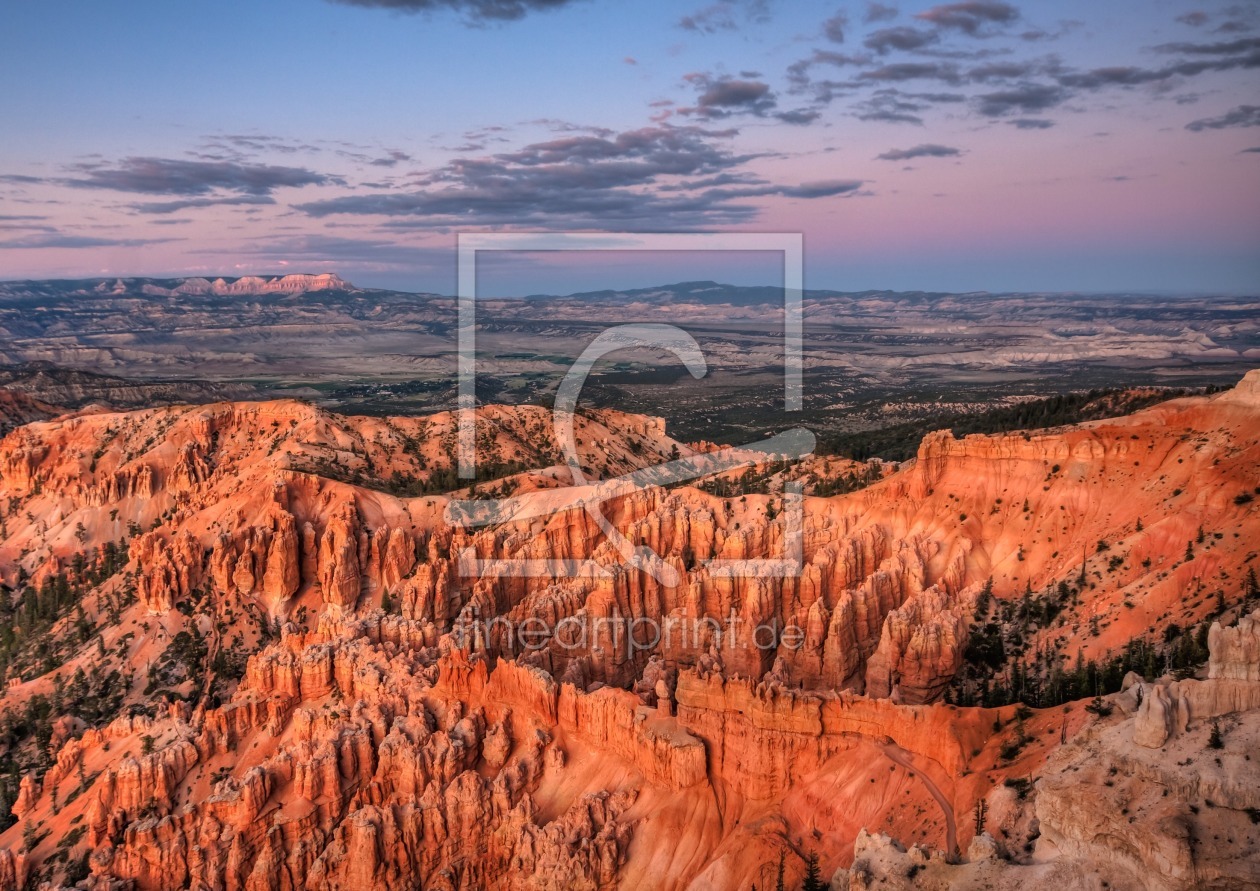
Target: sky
[[977, 145]]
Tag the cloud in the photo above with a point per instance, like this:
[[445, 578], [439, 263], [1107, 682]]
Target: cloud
[[235, 143], [798, 72], [902, 38], [724, 96], [927, 150], [901, 71], [1031, 123], [1006, 70], [1242, 116], [63, 240], [1023, 98], [390, 159], [161, 207], [878, 12], [834, 27], [1249, 151], [1194, 19], [637, 179], [1229, 56], [167, 176], [829, 188], [822, 189], [799, 116], [971, 16], [1032, 35], [1220, 48], [890, 105], [472, 10], [724, 16]]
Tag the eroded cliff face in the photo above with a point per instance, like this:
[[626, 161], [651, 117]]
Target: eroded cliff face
[[1140, 798], [315, 691]]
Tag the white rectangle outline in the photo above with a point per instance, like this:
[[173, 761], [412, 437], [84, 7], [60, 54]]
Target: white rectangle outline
[[790, 244]]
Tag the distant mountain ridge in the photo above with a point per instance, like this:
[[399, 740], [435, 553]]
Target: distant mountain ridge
[[248, 285]]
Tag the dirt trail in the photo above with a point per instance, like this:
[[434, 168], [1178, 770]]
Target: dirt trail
[[900, 756]]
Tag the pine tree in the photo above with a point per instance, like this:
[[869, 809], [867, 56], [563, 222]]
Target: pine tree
[[778, 884], [813, 876], [981, 814], [1215, 738]]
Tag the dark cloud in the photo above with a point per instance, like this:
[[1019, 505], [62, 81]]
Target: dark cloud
[[1022, 98], [971, 16], [390, 159], [20, 217], [725, 96], [830, 188], [1194, 19], [19, 179], [639, 179], [472, 10], [1114, 76], [1222, 56], [1031, 123], [1243, 45], [902, 38], [902, 71], [799, 116], [927, 150], [161, 207], [878, 12], [896, 107], [1242, 116], [798, 72], [823, 189], [167, 176], [1006, 70], [235, 143], [1250, 151], [834, 27]]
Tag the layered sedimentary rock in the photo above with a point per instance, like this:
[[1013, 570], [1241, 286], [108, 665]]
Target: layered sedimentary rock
[[1174, 810], [324, 685]]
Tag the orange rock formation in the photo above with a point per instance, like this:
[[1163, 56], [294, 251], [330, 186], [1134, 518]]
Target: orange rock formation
[[314, 693]]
